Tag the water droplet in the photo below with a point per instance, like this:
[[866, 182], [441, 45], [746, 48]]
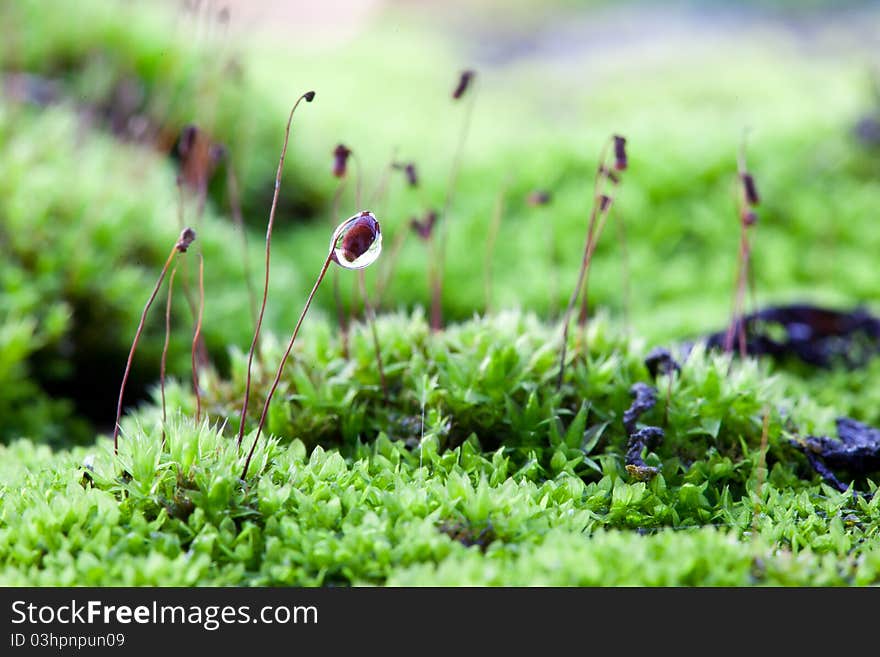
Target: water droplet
[[357, 241]]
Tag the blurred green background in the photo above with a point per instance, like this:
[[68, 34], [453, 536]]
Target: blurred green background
[[95, 95]]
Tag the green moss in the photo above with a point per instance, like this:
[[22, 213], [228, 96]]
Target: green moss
[[476, 470], [79, 259], [102, 50], [518, 491]]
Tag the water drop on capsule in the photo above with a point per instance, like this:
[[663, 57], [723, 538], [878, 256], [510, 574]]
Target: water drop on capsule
[[357, 241]]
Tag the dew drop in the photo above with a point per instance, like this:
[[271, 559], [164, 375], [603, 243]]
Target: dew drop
[[357, 241]]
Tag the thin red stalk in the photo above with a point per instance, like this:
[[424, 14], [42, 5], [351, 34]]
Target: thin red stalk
[[491, 238], [341, 317], [382, 186], [359, 181], [334, 208], [731, 328], [737, 327], [247, 389], [202, 196], [595, 235], [187, 293], [164, 360], [753, 295], [197, 335], [371, 319], [184, 274], [742, 301], [750, 272], [598, 180], [594, 229], [397, 245], [379, 199], [355, 310], [277, 380], [440, 253], [624, 270], [572, 301], [235, 208], [137, 337], [554, 274], [435, 281], [180, 202], [359, 177], [746, 200]]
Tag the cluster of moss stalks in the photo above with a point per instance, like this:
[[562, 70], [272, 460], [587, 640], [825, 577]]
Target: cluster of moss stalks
[[476, 468], [476, 472]]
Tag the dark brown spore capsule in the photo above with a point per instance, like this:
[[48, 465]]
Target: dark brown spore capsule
[[464, 81], [217, 153], [425, 227], [538, 197], [608, 173], [187, 237], [359, 237], [187, 140], [620, 161], [750, 190], [409, 171], [340, 160], [749, 218], [411, 176], [430, 220], [309, 96]]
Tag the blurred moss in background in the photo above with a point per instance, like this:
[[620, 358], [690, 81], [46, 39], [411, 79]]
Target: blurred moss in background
[[95, 95]]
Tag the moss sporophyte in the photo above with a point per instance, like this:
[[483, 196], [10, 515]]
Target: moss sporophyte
[[184, 241], [465, 83], [605, 183], [309, 96], [356, 244], [748, 199]]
